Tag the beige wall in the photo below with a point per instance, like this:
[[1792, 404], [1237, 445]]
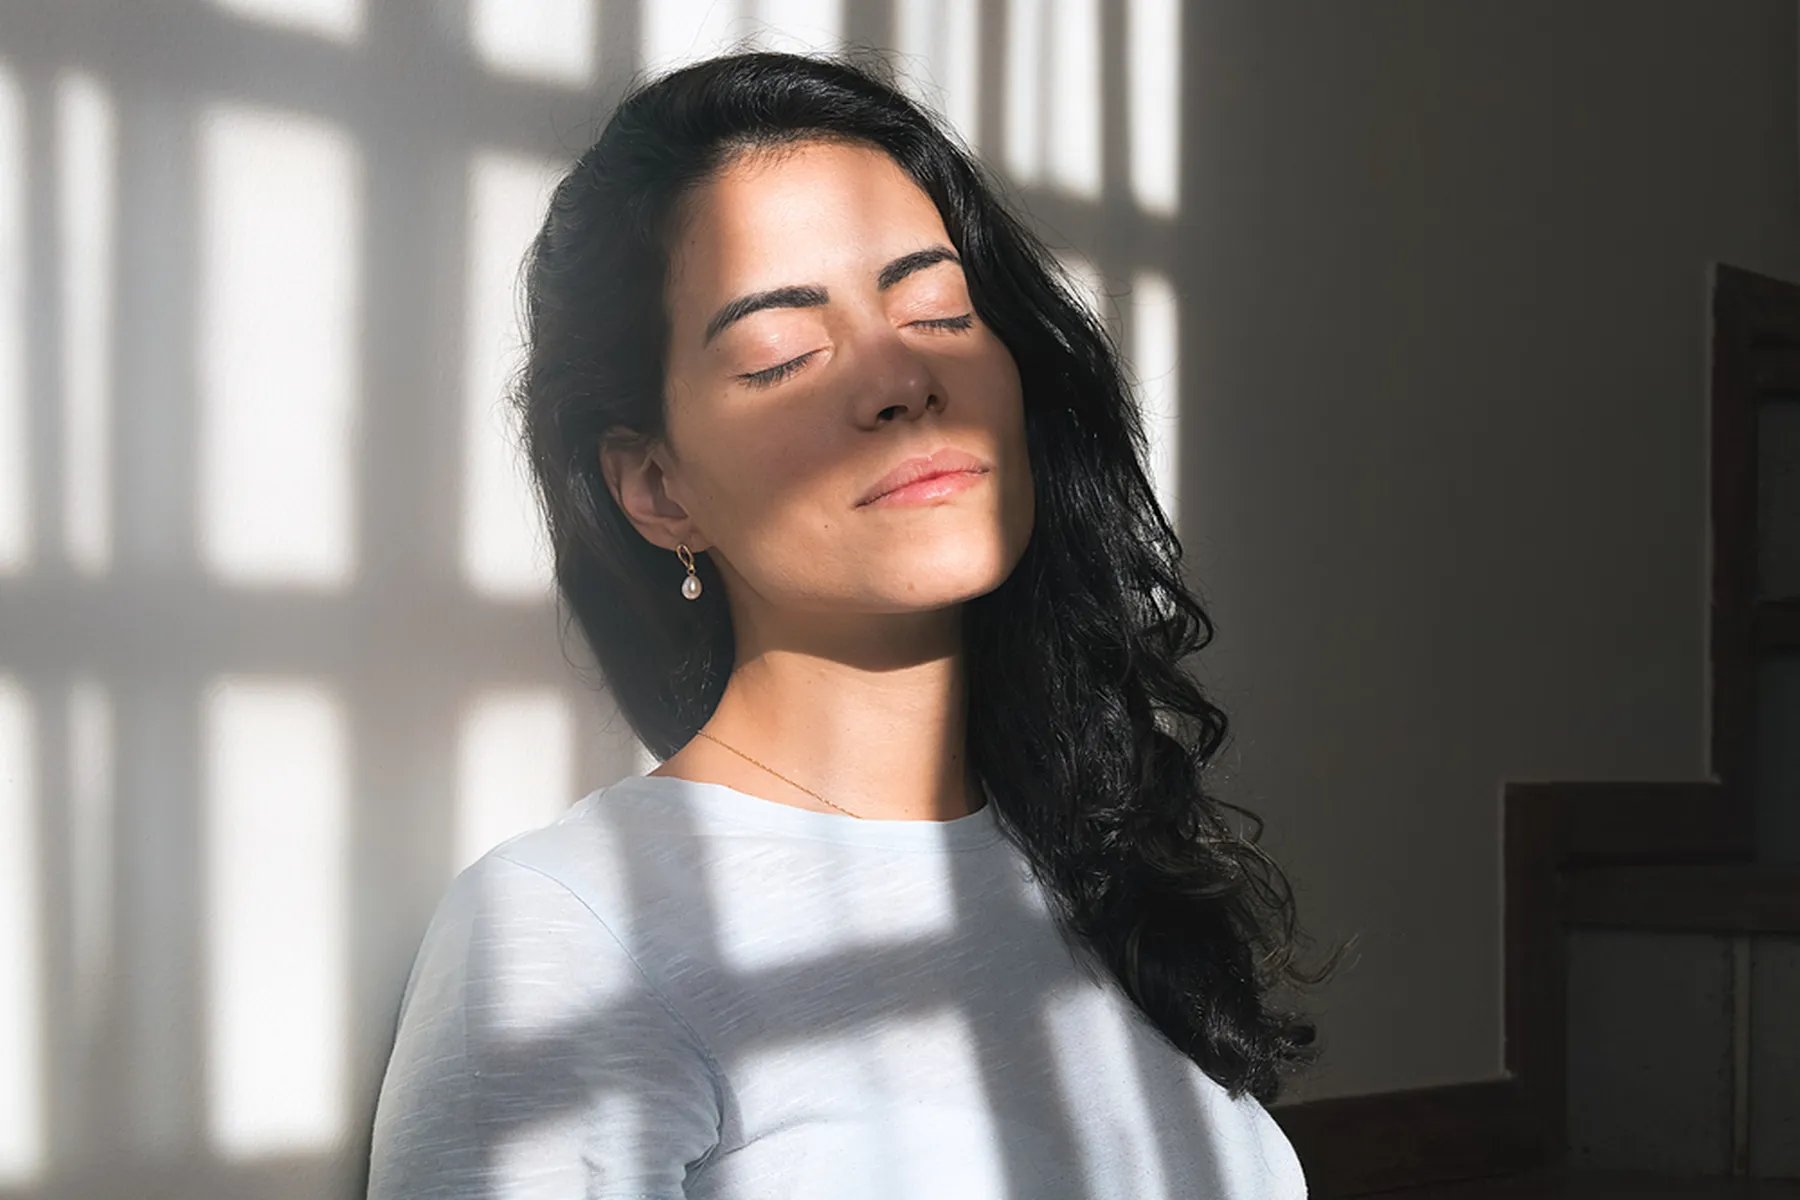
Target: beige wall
[[1444, 464]]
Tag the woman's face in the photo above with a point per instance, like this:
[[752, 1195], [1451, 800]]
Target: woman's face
[[821, 336]]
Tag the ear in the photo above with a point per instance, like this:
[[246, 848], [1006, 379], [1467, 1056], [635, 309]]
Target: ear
[[635, 473]]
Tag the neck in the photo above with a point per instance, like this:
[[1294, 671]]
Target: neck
[[869, 714]]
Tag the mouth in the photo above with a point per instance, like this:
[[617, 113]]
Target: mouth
[[932, 487], [927, 477]]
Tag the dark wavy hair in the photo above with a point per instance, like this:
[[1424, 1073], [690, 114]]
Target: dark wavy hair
[[1082, 724]]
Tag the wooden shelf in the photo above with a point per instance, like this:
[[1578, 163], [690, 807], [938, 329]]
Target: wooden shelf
[[1705, 897], [1778, 626]]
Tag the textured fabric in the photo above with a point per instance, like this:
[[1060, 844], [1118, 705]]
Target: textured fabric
[[682, 990]]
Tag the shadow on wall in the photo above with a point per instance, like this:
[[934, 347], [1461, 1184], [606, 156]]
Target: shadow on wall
[[277, 650]]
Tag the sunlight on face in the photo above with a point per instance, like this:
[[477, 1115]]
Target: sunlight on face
[[781, 423]]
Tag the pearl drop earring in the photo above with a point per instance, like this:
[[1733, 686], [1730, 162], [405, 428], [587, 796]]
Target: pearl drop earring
[[690, 587]]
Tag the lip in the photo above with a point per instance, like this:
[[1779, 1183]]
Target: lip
[[916, 470]]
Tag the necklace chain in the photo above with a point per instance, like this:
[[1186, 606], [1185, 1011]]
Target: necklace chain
[[777, 774]]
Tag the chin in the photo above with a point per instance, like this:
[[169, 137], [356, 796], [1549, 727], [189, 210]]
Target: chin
[[945, 572]]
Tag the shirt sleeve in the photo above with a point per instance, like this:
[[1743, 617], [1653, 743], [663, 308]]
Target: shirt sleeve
[[534, 1059]]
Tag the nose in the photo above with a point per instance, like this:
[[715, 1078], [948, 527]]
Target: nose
[[897, 382]]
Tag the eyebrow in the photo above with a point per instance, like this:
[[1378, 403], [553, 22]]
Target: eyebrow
[[813, 295]]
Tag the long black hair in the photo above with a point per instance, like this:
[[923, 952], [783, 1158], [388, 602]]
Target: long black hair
[[1082, 724]]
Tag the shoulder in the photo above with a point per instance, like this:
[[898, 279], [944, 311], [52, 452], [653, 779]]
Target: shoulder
[[546, 920], [533, 903], [582, 860]]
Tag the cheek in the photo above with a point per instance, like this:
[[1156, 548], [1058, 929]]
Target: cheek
[[1002, 401], [750, 473], [749, 481], [1008, 417]]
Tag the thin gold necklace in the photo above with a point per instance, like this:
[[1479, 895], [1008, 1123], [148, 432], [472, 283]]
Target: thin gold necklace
[[777, 774]]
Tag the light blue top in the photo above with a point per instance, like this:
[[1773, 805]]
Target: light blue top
[[683, 990]]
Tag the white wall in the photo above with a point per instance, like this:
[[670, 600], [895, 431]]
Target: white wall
[[1417, 290]]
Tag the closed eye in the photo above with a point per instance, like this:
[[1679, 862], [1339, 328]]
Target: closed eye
[[769, 376], [775, 374]]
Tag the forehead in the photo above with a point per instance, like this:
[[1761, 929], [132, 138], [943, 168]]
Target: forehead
[[795, 214]]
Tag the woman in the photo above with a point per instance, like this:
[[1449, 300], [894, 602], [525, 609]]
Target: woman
[[926, 897]]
